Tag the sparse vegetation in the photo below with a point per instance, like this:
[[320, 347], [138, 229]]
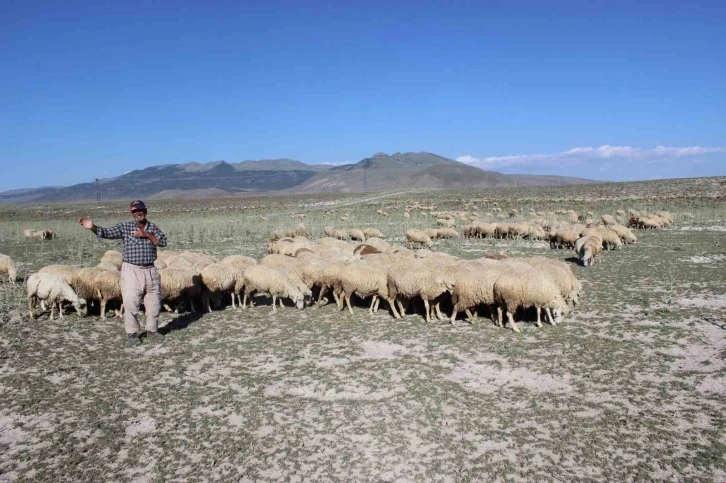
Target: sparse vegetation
[[630, 387]]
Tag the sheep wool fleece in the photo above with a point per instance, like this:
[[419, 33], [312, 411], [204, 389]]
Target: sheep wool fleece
[[139, 283]]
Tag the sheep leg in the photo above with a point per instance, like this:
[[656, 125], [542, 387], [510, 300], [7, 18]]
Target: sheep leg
[[60, 309], [510, 317], [323, 289], [281, 304], [470, 316], [31, 306], [347, 300], [549, 315], [274, 301], [499, 316], [233, 306], [244, 300], [378, 302], [103, 309], [539, 320], [392, 304], [52, 310], [439, 315], [400, 307], [453, 316], [167, 308], [373, 304], [428, 310]]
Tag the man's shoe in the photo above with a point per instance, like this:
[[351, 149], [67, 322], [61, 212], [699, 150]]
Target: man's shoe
[[155, 335], [133, 340]]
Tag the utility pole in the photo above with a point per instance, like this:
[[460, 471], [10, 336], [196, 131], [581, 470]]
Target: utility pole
[[98, 194]]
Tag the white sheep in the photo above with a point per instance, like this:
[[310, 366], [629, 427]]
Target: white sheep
[[7, 268], [625, 234], [365, 280], [409, 279], [356, 234], [64, 271], [417, 236], [54, 290], [561, 274], [92, 283], [528, 288], [373, 232], [179, 285], [275, 282], [219, 278], [588, 250], [608, 220], [113, 257], [473, 286]]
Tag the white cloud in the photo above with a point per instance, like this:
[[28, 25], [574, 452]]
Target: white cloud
[[584, 154]]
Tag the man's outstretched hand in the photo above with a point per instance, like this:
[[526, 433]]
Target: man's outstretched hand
[[86, 223]]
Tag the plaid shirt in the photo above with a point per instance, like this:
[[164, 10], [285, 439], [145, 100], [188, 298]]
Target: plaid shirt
[[137, 251]]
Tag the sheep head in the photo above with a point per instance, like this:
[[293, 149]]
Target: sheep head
[[81, 307]]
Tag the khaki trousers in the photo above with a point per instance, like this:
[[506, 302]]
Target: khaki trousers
[[137, 284]]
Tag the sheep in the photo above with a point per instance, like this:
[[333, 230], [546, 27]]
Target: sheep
[[64, 271], [113, 257], [447, 222], [666, 216], [340, 234], [588, 249], [276, 282], [624, 233], [484, 230], [400, 252], [44, 235], [29, 232], [181, 285], [339, 245], [420, 237], [219, 278], [562, 275], [356, 234], [7, 268], [409, 279], [329, 231], [473, 286], [610, 239], [373, 232], [238, 261], [563, 239], [290, 264], [528, 288], [288, 246], [93, 283], [364, 249], [194, 260], [365, 280], [446, 233], [54, 290], [608, 220], [377, 243]]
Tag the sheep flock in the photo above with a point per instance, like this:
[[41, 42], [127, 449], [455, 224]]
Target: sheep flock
[[348, 262]]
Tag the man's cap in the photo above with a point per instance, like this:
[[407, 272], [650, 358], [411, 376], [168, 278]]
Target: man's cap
[[137, 205]]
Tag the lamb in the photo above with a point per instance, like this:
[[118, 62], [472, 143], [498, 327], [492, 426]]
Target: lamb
[[409, 279], [373, 232], [180, 285], [112, 257], [589, 248], [528, 288], [54, 290], [420, 237], [365, 280], [95, 284], [276, 282], [7, 268]]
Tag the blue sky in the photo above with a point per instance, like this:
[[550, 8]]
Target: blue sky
[[592, 89]]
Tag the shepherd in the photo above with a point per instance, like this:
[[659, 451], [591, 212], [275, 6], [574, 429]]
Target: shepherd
[[140, 279]]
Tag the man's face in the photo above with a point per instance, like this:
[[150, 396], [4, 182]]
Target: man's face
[[139, 215]]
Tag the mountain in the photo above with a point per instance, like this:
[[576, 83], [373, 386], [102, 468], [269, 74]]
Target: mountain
[[174, 180], [193, 180], [382, 172]]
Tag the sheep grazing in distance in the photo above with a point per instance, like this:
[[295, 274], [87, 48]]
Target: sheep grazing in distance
[[54, 290], [329, 231], [626, 236], [340, 234], [92, 283], [113, 257], [419, 237], [356, 234], [39, 234], [528, 288], [610, 239], [447, 222], [446, 233], [608, 220], [275, 282], [7, 268], [288, 246], [588, 248], [179, 285], [563, 239], [372, 232]]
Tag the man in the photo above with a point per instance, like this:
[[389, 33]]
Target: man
[[139, 277]]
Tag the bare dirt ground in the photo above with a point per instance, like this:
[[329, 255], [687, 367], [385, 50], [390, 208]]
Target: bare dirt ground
[[630, 388]]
